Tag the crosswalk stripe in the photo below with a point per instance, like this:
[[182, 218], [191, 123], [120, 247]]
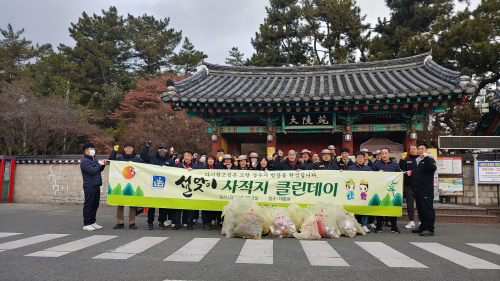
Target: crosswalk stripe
[[29, 241], [7, 234], [73, 246], [131, 249], [193, 251], [494, 248], [388, 255], [256, 251], [322, 254], [455, 256]]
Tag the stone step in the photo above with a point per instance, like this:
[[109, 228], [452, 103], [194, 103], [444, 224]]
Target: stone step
[[451, 218]]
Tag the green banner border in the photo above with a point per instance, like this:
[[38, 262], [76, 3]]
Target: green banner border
[[195, 204]]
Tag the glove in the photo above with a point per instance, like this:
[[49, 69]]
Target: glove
[[116, 147], [149, 143], [404, 154], [102, 162], [196, 155], [177, 161], [220, 159], [172, 149]]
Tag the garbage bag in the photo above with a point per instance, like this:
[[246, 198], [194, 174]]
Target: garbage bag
[[282, 225], [307, 227], [243, 218], [325, 219], [346, 222]]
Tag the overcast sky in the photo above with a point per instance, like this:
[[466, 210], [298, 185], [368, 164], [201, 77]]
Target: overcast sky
[[212, 26]]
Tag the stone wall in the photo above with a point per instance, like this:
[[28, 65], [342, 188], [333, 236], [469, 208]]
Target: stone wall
[[52, 183], [488, 193]]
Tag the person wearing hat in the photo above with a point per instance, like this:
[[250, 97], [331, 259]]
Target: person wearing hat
[[367, 157], [289, 163], [326, 163], [227, 163], [306, 156], [160, 158], [332, 150], [92, 181], [254, 160], [242, 162], [344, 161], [378, 156], [128, 155]]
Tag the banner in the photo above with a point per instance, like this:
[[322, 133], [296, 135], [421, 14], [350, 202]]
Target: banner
[[366, 193]]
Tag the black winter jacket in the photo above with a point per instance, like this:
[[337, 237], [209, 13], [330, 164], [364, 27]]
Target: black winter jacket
[[390, 166], [155, 158], [344, 165], [284, 165], [423, 174], [91, 172], [355, 167], [407, 164], [125, 157], [193, 165], [326, 165]]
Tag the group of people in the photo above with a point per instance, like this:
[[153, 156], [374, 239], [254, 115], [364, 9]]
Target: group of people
[[419, 168]]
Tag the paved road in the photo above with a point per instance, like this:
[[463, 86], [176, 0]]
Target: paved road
[[45, 242]]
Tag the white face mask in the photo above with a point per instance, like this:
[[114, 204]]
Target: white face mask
[[92, 152]]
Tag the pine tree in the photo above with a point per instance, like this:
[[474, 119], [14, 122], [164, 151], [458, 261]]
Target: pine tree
[[188, 59], [235, 57]]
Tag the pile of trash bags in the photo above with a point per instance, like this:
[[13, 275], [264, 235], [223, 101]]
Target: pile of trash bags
[[245, 218]]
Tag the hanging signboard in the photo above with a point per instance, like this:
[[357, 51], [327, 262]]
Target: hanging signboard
[[449, 165], [488, 172], [308, 121]]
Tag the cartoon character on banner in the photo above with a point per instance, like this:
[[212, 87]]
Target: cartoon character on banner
[[350, 186], [363, 186]]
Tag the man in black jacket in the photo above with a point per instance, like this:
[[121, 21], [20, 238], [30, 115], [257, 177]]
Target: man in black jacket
[[289, 163], [343, 161], [188, 164], [161, 158], [406, 166], [386, 165], [306, 156], [128, 155], [423, 187], [326, 163], [92, 181]]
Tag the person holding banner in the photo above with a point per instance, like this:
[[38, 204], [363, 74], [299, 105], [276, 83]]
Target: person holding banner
[[289, 163], [386, 165], [367, 157], [242, 162], [227, 163], [332, 150], [361, 166], [344, 161], [128, 155], [188, 164], [92, 181], [254, 159], [306, 156], [264, 165], [423, 187], [208, 216], [407, 165], [326, 163], [160, 158]]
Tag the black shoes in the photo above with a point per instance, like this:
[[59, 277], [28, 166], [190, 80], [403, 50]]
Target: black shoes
[[176, 227], [219, 226], [161, 226], [427, 233], [119, 226], [378, 229], [395, 230], [417, 231], [206, 226], [150, 226], [190, 227], [132, 226]]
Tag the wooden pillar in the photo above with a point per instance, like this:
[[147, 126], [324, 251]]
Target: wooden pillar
[[216, 145], [408, 142]]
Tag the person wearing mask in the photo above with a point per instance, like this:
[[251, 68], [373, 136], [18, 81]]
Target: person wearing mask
[[264, 165], [188, 164], [208, 216], [343, 160], [386, 165], [360, 166], [92, 181], [254, 160], [161, 158], [326, 163], [406, 165], [315, 158], [288, 163], [306, 156], [242, 162], [128, 155], [332, 150], [423, 187]]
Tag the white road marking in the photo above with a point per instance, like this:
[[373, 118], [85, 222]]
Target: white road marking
[[455, 256], [322, 254], [494, 248], [193, 251], [73, 246], [388, 255], [7, 234], [131, 249], [256, 251], [29, 241]]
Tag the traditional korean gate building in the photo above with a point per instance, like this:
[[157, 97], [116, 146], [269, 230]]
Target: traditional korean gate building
[[315, 106]]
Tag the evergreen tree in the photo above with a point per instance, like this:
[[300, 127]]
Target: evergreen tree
[[153, 43], [235, 57], [188, 59]]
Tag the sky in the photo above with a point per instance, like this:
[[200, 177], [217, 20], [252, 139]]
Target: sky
[[214, 27]]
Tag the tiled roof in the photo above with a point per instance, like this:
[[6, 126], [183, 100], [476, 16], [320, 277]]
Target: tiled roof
[[406, 77]]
